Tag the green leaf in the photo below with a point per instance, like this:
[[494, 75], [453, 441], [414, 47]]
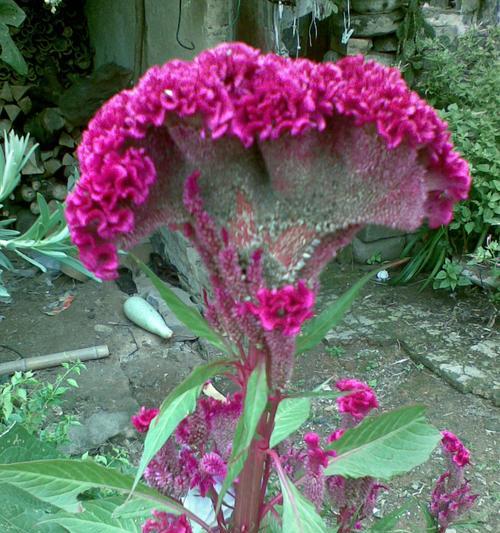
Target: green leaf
[[299, 514], [19, 445], [430, 521], [389, 522], [384, 446], [74, 263], [290, 415], [254, 404], [176, 406], [21, 513], [163, 426], [97, 517], [11, 13], [315, 330], [58, 482], [10, 52], [186, 314]]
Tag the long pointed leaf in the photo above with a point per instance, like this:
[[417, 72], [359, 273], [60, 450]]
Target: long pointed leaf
[[315, 330], [291, 414], [58, 482], [97, 517], [384, 446], [254, 404], [186, 314], [299, 514]]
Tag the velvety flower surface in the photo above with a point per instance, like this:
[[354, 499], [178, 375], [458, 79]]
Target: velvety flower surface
[[284, 309], [360, 402], [452, 495], [296, 157], [460, 455], [142, 420], [166, 523]]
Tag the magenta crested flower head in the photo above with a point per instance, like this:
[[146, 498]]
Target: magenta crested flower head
[[295, 156], [166, 523], [454, 448], [360, 402], [284, 309], [142, 420]]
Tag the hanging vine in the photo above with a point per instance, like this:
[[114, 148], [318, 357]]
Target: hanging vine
[[411, 32]]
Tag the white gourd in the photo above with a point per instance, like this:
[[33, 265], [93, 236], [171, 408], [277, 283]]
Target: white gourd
[[144, 315]]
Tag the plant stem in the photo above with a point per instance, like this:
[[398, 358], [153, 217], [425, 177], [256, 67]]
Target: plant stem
[[251, 490], [246, 512]]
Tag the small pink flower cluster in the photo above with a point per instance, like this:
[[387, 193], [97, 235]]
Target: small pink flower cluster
[[166, 523], [197, 456], [142, 420], [452, 496], [354, 498], [454, 448], [360, 402], [284, 309], [316, 460]]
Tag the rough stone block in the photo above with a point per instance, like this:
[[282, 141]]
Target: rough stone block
[[381, 57], [332, 55], [371, 25], [386, 44], [179, 252], [354, 46], [374, 233], [375, 6], [446, 23], [470, 6], [96, 430], [387, 248]]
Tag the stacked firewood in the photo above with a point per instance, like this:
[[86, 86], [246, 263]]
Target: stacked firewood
[[49, 168], [51, 43], [54, 102]]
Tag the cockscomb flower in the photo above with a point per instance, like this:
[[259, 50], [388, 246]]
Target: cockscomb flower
[[296, 157], [142, 420], [454, 448], [166, 523], [452, 495], [315, 462], [284, 309], [360, 402], [449, 502]]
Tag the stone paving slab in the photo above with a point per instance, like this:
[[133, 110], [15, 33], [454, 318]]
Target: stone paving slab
[[434, 329]]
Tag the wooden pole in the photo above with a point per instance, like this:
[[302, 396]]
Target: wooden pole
[[54, 359]]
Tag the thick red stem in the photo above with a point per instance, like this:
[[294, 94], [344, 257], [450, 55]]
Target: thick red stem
[[251, 488]]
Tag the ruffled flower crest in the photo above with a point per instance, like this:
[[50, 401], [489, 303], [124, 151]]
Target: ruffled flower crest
[[296, 157]]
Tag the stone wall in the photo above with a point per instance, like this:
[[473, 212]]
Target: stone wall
[[372, 25]]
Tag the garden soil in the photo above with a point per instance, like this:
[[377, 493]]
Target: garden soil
[[429, 348]]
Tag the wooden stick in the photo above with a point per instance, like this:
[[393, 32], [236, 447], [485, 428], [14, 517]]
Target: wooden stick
[[54, 359]]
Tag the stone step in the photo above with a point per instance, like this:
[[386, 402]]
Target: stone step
[[375, 6]]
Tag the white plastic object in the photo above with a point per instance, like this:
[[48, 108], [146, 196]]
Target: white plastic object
[[145, 316], [383, 275]]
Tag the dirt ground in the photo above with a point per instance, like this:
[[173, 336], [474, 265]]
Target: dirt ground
[[426, 348]]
